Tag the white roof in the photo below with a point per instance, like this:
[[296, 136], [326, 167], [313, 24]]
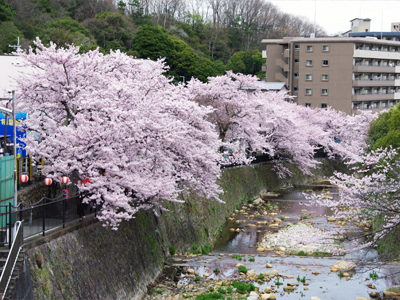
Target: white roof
[[274, 86], [10, 70]]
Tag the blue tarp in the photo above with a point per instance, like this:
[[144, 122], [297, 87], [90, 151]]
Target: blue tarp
[[20, 134]]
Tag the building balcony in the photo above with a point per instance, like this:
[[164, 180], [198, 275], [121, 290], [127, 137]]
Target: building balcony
[[282, 64], [280, 77], [286, 53], [376, 54], [374, 82], [373, 97], [375, 69]]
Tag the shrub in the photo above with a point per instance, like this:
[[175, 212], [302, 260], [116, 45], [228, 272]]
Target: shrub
[[217, 271], [221, 291], [243, 288], [205, 249], [242, 269], [172, 250], [211, 296]]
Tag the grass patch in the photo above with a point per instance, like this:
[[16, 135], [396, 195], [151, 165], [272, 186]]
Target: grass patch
[[237, 256], [373, 275], [210, 296], [340, 274], [205, 249], [242, 269], [301, 253], [158, 291], [197, 278], [243, 288], [321, 253], [221, 290], [216, 271], [261, 277], [252, 259]]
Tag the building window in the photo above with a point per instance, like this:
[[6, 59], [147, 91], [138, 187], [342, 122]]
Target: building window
[[295, 89], [308, 104], [309, 63], [324, 105], [308, 77], [324, 92], [325, 63], [309, 48], [296, 47], [325, 48], [324, 77], [296, 75], [308, 92], [296, 61]]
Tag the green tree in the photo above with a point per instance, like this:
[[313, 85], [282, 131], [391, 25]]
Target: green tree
[[6, 12], [385, 130], [249, 62], [67, 31], [151, 42], [9, 34], [111, 29]]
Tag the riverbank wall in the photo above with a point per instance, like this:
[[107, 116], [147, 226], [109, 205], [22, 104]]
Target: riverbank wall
[[94, 262]]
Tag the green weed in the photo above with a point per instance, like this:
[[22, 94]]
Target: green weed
[[172, 250]]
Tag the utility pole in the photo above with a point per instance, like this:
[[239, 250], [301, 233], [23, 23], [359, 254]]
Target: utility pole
[[15, 46]]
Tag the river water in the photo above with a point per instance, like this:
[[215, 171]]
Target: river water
[[325, 285]]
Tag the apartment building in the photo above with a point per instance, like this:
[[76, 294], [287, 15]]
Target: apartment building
[[348, 74]]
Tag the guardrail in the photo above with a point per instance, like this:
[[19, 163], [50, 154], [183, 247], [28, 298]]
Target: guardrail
[[11, 258]]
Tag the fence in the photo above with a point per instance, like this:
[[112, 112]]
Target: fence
[[42, 216]]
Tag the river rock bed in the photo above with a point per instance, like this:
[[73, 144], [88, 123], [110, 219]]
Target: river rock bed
[[281, 250], [299, 237]]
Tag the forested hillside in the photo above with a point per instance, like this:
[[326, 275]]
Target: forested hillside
[[199, 38]]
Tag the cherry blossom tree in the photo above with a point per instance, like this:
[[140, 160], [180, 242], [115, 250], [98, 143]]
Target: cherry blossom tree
[[120, 122], [370, 192], [250, 120]]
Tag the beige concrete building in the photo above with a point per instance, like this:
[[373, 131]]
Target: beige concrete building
[[348, 74]]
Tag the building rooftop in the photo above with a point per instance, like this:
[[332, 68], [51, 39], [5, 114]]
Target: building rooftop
[[330, 40]]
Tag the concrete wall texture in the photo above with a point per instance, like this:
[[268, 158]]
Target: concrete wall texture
[[95, 262]]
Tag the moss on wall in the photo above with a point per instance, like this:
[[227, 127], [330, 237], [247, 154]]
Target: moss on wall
[[97, 263]]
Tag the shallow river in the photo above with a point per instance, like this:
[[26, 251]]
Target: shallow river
[[324, 285]]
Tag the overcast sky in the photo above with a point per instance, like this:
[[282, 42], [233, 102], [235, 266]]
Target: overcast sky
[[334, 15]]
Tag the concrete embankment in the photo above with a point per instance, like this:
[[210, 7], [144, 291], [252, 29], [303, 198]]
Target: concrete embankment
[[94, 262]]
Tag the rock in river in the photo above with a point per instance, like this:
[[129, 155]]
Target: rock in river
[[343, 266], [394, 291]]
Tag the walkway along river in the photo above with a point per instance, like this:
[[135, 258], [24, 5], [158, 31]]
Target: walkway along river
[[259, 257]]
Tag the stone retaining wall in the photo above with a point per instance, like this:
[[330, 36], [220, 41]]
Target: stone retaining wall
[[97, 263]]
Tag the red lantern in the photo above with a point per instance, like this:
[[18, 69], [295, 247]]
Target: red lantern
[[65, 180], [79, 182], [23, 178], [48, 181]]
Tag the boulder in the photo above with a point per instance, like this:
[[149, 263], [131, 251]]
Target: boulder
[[393, 292], [343, 266], [258, 201], [268, 266], [251, 273], [362, 298], [314, 298], [288, 288]]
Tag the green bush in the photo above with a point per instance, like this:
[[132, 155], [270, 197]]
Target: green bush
[[172, 250], [211, 296], [242, 269], [205, 249], [243, 288], [221, 291]]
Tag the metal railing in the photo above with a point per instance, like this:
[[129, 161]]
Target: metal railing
[[11, 258], [42, 216]]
